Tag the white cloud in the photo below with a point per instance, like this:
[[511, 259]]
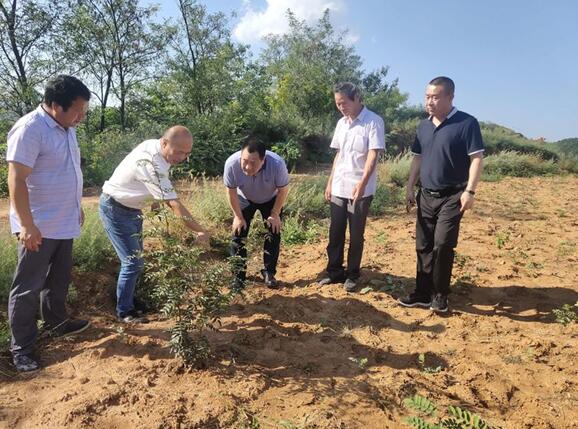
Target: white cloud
[[255, 24]]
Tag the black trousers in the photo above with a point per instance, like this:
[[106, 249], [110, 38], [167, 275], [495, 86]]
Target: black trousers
[[271, 245], [437, 230], [343, 211]]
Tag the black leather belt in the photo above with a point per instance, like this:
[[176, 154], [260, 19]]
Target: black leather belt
[[440, 193], [117, 204]]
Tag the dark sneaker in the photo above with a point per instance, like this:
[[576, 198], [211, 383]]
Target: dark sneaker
[[133, 318], [328, 280], [439, 303], [25, 363], [415, 300], [350, 285], [69, 327], [270, 280]]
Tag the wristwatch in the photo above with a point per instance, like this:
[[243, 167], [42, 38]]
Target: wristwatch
[[469, 191]]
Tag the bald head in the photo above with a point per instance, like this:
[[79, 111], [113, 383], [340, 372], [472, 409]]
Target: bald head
[[176, 144], [177, 132]]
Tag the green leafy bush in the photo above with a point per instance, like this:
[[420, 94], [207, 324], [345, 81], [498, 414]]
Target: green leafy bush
[[93, 247], [185, 287], [307, 197], [3, 179], [290, 151], [515, 164], [395, 169], [299, 231], [8, 260]]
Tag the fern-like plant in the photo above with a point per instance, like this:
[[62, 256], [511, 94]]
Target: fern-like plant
[[458, 418]]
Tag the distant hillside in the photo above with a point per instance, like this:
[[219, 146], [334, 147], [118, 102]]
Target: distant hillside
[[498, 138], [567, 146]]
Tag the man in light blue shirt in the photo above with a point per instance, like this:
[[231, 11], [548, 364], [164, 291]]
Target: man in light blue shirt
[[256, 179], [45, 185]]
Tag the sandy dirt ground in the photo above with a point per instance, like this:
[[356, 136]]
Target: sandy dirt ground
[[308, 356]]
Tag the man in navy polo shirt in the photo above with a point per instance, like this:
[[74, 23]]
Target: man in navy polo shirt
[[256, 179], [448, 157]]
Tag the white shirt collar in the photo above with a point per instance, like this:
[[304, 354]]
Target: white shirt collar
[[452, 113]]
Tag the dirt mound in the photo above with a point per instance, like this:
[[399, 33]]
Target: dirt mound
[[318, 357]]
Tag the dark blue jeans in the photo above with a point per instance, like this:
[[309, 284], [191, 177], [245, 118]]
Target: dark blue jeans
[[123, 226]]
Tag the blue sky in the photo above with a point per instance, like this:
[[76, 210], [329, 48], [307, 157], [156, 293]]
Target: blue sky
[[514, 62]]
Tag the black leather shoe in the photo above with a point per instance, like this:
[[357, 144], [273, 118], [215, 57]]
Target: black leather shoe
[[68, 327], [270, 280]]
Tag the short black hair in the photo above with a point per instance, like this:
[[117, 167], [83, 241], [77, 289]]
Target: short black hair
[[63, 90], [350, 90], [446, 82], [254, 144]]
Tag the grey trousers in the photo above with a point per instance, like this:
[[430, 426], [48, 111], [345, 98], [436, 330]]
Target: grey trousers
[[343, 211], [41, 278]]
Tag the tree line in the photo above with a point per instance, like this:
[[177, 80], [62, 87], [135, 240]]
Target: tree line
[[147, 72]]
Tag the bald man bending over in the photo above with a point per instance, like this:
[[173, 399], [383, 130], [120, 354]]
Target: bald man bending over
[[142, 176]]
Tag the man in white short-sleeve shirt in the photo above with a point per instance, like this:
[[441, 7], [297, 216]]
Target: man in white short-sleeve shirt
[[142, 177], [45, 185], [359, 137]]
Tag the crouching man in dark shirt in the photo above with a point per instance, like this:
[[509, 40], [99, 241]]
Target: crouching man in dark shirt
[[448, 152]]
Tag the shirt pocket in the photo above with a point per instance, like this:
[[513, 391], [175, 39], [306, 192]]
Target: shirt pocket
[[55, 153], [359, 143]]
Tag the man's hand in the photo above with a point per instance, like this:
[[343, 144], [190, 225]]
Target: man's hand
[[30, 237], [409, 199], [239, 225], [467, 201], [82, 217], [203, 239], [358, 191], [328, 191], [274, 221]]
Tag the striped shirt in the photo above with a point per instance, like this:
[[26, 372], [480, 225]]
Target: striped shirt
[[55, 183]]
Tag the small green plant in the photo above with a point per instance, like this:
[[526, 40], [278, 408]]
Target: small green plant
[[427, 369], [457, 418], [566, 248], [4, 335], [360, 362], [186, 289], [297, 231], [501, 239], [72, 296], [566, 314]]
